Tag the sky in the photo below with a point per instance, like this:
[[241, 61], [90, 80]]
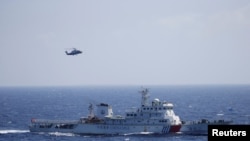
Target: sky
[[124, 42]]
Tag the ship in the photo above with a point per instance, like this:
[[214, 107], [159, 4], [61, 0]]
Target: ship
[[200, 127], [155, 117]]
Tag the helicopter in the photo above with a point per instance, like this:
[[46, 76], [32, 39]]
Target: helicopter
[[73, 51]]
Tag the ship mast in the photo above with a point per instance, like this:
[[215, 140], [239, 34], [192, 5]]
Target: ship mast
[[145, 96], [91, 111]]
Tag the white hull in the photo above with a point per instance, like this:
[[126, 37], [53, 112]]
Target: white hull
[[109, 129]]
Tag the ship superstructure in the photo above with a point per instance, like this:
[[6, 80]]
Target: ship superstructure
[[155, 117]]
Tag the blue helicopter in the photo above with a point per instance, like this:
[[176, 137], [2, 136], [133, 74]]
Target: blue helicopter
[[73, 51]]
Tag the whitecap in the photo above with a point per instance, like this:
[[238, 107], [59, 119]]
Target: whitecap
[[13, 131], [220, 114], [62, 134], [138, 133], [126, 139], [146, 133]]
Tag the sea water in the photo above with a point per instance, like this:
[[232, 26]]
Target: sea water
[[18, 105]]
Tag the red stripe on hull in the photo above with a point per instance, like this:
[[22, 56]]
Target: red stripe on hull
[[175, 128]]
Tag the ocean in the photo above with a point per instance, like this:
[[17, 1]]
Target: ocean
[[18, 105]]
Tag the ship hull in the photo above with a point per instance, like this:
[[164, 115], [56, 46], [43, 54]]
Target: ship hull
[[104, 129], [200, 127]]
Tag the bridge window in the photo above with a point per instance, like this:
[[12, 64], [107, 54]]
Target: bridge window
[[65, 126], [45, 126], [163, 121]]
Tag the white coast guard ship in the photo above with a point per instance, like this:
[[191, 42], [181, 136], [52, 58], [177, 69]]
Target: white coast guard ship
[[200, 127], [156, 117]]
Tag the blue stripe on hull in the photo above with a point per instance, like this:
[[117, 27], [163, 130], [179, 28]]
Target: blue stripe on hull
[[165, 129]]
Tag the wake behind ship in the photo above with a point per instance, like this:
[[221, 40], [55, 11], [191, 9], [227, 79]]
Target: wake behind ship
[[156, 117]]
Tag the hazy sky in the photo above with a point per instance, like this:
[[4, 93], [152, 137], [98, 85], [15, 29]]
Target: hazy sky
[[124, 42]]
